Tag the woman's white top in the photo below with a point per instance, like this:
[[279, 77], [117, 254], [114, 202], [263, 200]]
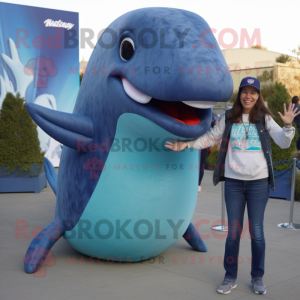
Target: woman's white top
[[245, 158]]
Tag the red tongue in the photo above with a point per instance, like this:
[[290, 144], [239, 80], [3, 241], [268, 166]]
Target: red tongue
[[179, 111], [187, 114]]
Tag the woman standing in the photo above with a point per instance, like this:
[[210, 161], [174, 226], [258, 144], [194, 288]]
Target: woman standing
[[245, 163]]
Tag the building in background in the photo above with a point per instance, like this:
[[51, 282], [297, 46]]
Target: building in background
[[253, 62], [240, 59], [249, 62]]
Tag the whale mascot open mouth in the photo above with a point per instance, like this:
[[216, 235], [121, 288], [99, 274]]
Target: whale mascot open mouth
[[120, 194]]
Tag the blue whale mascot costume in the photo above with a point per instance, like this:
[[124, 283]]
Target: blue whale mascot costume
[[121, 195]]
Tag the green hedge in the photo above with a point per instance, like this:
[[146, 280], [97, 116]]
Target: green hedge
[[212, 158], [275, 104], [267, 91], [297, 188], [19, 143]]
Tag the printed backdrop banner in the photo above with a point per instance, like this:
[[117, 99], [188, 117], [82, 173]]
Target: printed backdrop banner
[[38, 49]]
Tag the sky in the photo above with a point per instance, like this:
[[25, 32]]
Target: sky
[[277, 21]]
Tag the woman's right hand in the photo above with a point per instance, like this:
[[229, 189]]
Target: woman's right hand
[[176, 146]]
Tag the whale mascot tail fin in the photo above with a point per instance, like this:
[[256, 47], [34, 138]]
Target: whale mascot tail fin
[[50, 174], [194, 239], [41, 245]]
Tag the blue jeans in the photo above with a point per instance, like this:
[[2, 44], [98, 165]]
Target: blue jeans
[[255, 194], [298, 142], [203, 156]]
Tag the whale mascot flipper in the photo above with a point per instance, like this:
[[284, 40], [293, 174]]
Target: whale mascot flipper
[[121, 195]]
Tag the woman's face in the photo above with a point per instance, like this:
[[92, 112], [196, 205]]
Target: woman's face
[[248, 97]]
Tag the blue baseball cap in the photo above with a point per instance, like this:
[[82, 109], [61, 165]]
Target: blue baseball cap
[[250, 81]]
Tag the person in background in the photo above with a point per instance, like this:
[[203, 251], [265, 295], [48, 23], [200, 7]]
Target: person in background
[[204, 153], [295, 100]]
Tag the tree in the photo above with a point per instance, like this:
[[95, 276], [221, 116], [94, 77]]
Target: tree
[[297, 52], [259, 47], [275, 104], [19, 143], [283, 59], [233, 97], [267, 91], [265, 76], [80, 77]]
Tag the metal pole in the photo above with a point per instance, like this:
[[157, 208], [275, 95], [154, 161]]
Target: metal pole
[[293, 190], [292, 225], [222, 227]]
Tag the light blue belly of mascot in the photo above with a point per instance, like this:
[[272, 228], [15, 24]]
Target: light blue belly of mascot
[[154, 75], [136, 190]]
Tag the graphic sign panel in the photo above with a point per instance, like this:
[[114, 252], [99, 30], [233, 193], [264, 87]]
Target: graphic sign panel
[[38, 47]]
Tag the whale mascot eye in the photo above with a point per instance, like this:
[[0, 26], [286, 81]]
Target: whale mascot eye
[[127, 49]]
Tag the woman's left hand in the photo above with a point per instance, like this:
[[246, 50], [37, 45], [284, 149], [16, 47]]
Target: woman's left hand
[[288, 115]]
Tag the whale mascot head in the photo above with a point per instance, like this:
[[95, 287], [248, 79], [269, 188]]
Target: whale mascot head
[[154, 74]]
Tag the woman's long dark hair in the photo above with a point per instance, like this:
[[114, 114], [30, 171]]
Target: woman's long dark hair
[[259, 107]]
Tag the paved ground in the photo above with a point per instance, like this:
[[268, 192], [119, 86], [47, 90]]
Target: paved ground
[[180, 273]]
